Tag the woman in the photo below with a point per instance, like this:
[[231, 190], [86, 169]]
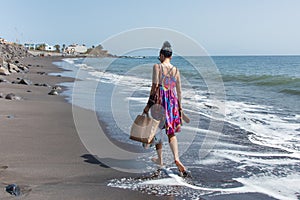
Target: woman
[[166, 79]]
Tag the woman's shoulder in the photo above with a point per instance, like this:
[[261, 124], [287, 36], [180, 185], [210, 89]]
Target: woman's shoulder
[[156, 66], [176, 72], [175, 69]]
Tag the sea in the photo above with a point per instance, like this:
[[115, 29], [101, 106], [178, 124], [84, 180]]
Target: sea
[[243, 141]]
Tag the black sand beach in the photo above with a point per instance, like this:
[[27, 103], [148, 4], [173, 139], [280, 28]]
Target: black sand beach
[[41, 151], [39, 148]]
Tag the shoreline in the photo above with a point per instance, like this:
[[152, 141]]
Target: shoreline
[[206, 176], [40, 149]]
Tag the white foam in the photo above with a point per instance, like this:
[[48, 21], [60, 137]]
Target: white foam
[[84, 66], [255, 161], [284, 188], [173, 180], [70, 60], [93, 79], [137, 99], [268, 129], [121, 80], [258, 154], [212, 160]]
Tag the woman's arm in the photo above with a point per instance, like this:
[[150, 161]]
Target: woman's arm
[[178, 88], [155, 82]]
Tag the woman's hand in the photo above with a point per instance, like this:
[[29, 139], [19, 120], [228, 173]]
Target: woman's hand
[[146, 109]]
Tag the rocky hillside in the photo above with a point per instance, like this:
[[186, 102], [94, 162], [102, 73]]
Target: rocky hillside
[[10, 55], [98, 51]]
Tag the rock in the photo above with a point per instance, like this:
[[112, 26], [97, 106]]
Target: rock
[[12, 68], [25, 82], [12, 96], [56, 88], [53, 92], [42, 84], [13, 189], [4, 71], [46, 85], [1, 62], [1, 95], [23, 68], [2, 80], [5, 64]]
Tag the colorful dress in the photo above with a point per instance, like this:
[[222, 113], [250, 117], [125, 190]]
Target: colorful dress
[[169, 102]]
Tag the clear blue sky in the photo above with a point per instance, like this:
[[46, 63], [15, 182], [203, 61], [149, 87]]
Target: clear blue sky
[[222, 27]]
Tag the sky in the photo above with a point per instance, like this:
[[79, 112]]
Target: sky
[[221, 27]]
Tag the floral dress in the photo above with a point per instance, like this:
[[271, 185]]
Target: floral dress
[[169, 102]]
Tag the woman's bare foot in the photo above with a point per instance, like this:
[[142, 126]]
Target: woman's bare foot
[[156, 161], [180, 166], [183, 171]]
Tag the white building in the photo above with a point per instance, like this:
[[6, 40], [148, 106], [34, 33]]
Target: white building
[[32, 46], [75, 48], [49, 47], [3, 41]]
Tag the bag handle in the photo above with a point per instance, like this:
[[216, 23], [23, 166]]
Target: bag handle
[[145, 113]]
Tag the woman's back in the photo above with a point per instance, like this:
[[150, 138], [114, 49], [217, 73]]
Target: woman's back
[[168, 77], [169, 98]]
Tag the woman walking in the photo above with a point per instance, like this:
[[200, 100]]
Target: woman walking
[[166, 92]]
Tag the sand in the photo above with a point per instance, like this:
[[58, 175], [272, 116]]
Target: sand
[[39, 146]]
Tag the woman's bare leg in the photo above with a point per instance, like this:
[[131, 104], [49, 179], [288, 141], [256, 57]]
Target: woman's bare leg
[[159, 159], [174, 147]]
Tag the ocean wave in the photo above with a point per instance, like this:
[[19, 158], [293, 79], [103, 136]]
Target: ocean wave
[[264, 80], [266, 126], [261, 120], [70, 60], [290, 91]]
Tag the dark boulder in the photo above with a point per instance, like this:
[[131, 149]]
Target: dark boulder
[[53, 92], [12, 96], [25, 82]]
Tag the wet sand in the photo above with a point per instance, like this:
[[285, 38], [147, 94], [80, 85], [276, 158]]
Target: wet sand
[[41, 152], [39, 148]]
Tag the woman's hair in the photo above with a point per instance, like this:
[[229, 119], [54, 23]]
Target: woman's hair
[[166, 49]]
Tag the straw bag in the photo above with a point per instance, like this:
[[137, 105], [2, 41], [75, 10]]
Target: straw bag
[[144, 128]]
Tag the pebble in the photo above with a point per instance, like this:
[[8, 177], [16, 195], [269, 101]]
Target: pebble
[[53, 92], [12, 96], [42, 84], [13, 189], [2, 80], [10, 116], [25, 82]]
